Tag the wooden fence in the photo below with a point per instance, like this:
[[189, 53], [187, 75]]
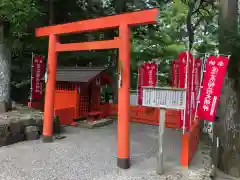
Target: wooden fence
[[66, 105], [66, 115], [190, 142], [145, 115]]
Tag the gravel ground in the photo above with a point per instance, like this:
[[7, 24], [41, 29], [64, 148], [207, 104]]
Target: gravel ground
[[90, 154], [222, 176]]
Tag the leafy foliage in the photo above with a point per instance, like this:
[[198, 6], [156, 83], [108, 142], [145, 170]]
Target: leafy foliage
[[162, 41], [18, 13]]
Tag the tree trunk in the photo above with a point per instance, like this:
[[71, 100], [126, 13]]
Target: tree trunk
[[51, 12], [190, 27], [120, 7], [228, 129], [5, 73]]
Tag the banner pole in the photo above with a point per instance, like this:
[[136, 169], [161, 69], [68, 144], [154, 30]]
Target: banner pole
[[157, 74], [192, 91], [138, 78], [31, 87], [203, 70], [160, 169], [173, 74], [185, 86], [157, 63]]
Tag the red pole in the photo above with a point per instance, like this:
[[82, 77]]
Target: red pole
[[123, 98], [50, 90]]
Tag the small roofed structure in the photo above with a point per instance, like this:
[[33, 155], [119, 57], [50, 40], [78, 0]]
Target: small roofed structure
[[78, 92], [79, 74]]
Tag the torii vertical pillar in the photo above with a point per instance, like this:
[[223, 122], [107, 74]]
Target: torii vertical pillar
[[123, 98], [50, 89]]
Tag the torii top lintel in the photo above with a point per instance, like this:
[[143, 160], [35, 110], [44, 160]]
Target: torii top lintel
[[149, 16]]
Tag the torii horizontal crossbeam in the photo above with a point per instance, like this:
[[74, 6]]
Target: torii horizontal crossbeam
[[133, 19], [95, 45]]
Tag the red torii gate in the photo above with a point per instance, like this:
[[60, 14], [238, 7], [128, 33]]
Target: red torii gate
[[123, 22]]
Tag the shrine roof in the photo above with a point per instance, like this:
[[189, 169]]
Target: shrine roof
[[78, 74]]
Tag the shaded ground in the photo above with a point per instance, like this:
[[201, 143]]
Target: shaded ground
[[222, 176], [88, 154]]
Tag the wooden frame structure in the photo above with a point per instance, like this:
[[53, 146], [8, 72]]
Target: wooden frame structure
[[123, 22]]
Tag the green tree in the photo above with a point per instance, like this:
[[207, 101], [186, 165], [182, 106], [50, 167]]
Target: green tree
[[162, 41], [228, 128], [199, 13], [15, 16]]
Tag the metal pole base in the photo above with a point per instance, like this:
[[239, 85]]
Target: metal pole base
[[160, 142], [47, 139], [123, 163]]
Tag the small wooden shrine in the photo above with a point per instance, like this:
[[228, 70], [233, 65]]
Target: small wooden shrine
[[78, 92]]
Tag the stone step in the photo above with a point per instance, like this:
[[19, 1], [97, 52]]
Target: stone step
[[11, 139], [15, 138], [94, 124]]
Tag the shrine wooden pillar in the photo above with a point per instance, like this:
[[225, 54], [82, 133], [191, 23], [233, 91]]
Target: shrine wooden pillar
[[123, 97], [50, 89]]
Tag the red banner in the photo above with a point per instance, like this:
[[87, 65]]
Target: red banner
[[189, 91], [150, 74], [212, 85], [37, 74], [147, 76], [182, 77], [175, 73], [140, 84], [182, 69]]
